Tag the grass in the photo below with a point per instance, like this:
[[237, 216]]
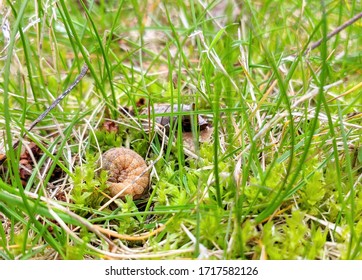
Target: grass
[[279, 177]]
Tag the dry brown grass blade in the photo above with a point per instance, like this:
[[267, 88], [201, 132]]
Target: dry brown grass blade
[[356, 87], [277, 213], [140, 237]]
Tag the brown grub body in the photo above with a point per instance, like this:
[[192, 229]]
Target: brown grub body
[[127, 172]]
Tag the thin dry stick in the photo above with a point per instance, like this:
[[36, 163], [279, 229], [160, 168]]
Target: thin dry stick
[[55, 103], [60, 97], [334, 32]]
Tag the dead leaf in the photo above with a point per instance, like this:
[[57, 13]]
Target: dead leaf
[[165, 121], [110, 126], [26, 161], [204, 137]]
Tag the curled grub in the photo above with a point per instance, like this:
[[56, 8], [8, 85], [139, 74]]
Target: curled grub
[[127, 172]]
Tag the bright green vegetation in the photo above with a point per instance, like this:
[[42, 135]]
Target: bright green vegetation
[[280, 177]]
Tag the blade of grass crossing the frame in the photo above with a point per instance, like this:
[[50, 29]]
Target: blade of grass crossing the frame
[[15, 200], [340, 16], [216, 39], [104, 54], [71, 39], [14, 170], [308, 141], [321, 100], [170, 61], [348, 166], [249, 133], [283, 97], [7, 115], [12, 201], [234, 95], [179, 141], [113, 27], [5, 253], [216, 120], [72, 33], [30, 77], [278, 198], [302, 183], [172, 131]]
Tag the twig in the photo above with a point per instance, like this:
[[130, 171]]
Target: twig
[[55, 103], [60, 97], [334, 32]]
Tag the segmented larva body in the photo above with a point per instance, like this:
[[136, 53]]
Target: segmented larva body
[[127, 172]]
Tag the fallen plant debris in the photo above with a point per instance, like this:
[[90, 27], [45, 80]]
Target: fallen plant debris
[[167, 110], [26, 163], [164, 121], [110, 126], [189, 139]]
